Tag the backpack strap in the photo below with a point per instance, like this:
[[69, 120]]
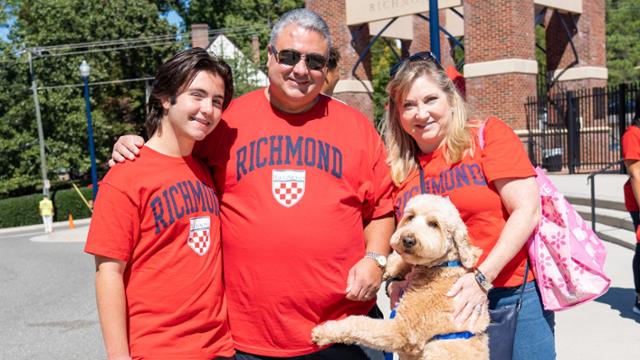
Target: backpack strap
[[524, 283], [423, 187]]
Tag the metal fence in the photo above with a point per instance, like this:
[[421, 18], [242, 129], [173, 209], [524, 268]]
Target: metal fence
[[579, 131]]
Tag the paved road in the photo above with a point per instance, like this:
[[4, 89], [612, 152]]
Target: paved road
[[47, 302], [47, 305]]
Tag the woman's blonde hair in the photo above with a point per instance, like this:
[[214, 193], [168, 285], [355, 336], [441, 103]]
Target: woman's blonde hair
[[402, 149]]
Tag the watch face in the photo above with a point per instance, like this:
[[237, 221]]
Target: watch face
[[379, 259], [382, 261]]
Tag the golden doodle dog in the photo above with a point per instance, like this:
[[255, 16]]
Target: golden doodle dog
[[432, 243]]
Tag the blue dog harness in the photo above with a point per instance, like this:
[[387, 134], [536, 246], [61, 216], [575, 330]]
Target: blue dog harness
[[454, 263], [455, 335], [449, 336]]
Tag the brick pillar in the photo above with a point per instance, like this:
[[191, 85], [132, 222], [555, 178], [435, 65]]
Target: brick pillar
[[421, 35], [352, 90], [200, 35], [422, 38], [588, 33], [500, 69]]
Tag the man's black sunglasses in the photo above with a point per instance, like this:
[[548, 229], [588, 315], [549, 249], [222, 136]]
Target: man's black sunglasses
[[420, 56], [291, 57]]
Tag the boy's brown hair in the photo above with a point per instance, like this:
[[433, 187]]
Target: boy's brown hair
[[176, 74]]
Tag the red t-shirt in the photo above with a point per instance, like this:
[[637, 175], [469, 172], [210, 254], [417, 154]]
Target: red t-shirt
[[296, 191], [160, 214], [630, 151], [469, 185]]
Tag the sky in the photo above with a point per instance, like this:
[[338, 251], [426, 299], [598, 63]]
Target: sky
[[4, 30], [174, 19]]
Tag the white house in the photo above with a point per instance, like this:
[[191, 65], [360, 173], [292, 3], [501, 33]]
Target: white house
[[223, 47]]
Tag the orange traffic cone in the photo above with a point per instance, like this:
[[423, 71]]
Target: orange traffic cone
[[71, 225]]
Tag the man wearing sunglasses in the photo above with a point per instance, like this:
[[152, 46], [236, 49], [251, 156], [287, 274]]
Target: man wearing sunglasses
[[305, 202]]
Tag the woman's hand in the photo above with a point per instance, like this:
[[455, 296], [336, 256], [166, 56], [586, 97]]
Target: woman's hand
[[469, 301]]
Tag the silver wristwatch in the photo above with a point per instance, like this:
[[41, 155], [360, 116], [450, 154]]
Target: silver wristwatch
[[482, 280], [380, 260]]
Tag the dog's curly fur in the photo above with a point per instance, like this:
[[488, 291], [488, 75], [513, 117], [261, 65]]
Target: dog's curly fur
[[430, 232]]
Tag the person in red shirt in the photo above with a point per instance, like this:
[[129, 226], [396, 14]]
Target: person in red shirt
[[305, 202], [155, 229], [434, 147], [457, 78], [631, 156]]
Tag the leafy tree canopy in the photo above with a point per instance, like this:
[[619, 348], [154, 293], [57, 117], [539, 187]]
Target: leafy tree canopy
[[117, 107], [623, 40]]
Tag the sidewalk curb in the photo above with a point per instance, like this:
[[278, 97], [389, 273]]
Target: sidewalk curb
[[57, 225]]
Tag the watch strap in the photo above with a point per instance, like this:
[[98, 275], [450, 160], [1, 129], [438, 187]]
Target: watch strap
[[482, 280], [378, 258]]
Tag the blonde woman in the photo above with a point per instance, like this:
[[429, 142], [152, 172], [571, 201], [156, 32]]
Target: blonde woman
[[434, 147]]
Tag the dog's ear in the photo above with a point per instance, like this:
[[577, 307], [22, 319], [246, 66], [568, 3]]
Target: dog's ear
[[468, 253]]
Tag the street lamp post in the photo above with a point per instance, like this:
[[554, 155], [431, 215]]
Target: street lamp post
[[84, 72], [43, 158]]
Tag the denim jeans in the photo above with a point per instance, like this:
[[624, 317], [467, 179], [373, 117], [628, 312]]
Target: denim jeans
[[535, 338], [333, 352]]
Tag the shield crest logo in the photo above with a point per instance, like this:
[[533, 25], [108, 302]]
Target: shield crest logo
[[287, 186], [199, 234]]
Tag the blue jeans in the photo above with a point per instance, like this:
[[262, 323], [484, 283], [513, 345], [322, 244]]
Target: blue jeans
[[333, 352], [535, 338]]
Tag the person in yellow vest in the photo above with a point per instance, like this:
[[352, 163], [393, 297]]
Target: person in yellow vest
[[46, 211]]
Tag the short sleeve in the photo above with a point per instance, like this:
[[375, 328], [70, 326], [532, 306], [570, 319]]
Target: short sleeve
[[631, 144], [379, 200], [503, 154], [115, 225]]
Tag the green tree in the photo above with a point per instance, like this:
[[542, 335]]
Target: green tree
[[4, 13], [623, 40], [117, 108], [541, 57], [382, 59]]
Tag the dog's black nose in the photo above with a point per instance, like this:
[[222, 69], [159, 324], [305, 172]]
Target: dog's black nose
[[408, 241]]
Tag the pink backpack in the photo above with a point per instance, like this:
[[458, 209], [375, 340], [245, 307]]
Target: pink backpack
[[566, 255]]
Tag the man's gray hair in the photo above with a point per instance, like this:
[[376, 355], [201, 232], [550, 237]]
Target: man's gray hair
[[304, 18]]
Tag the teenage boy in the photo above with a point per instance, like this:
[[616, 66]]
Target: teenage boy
[[305, 198], [155, 230]]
